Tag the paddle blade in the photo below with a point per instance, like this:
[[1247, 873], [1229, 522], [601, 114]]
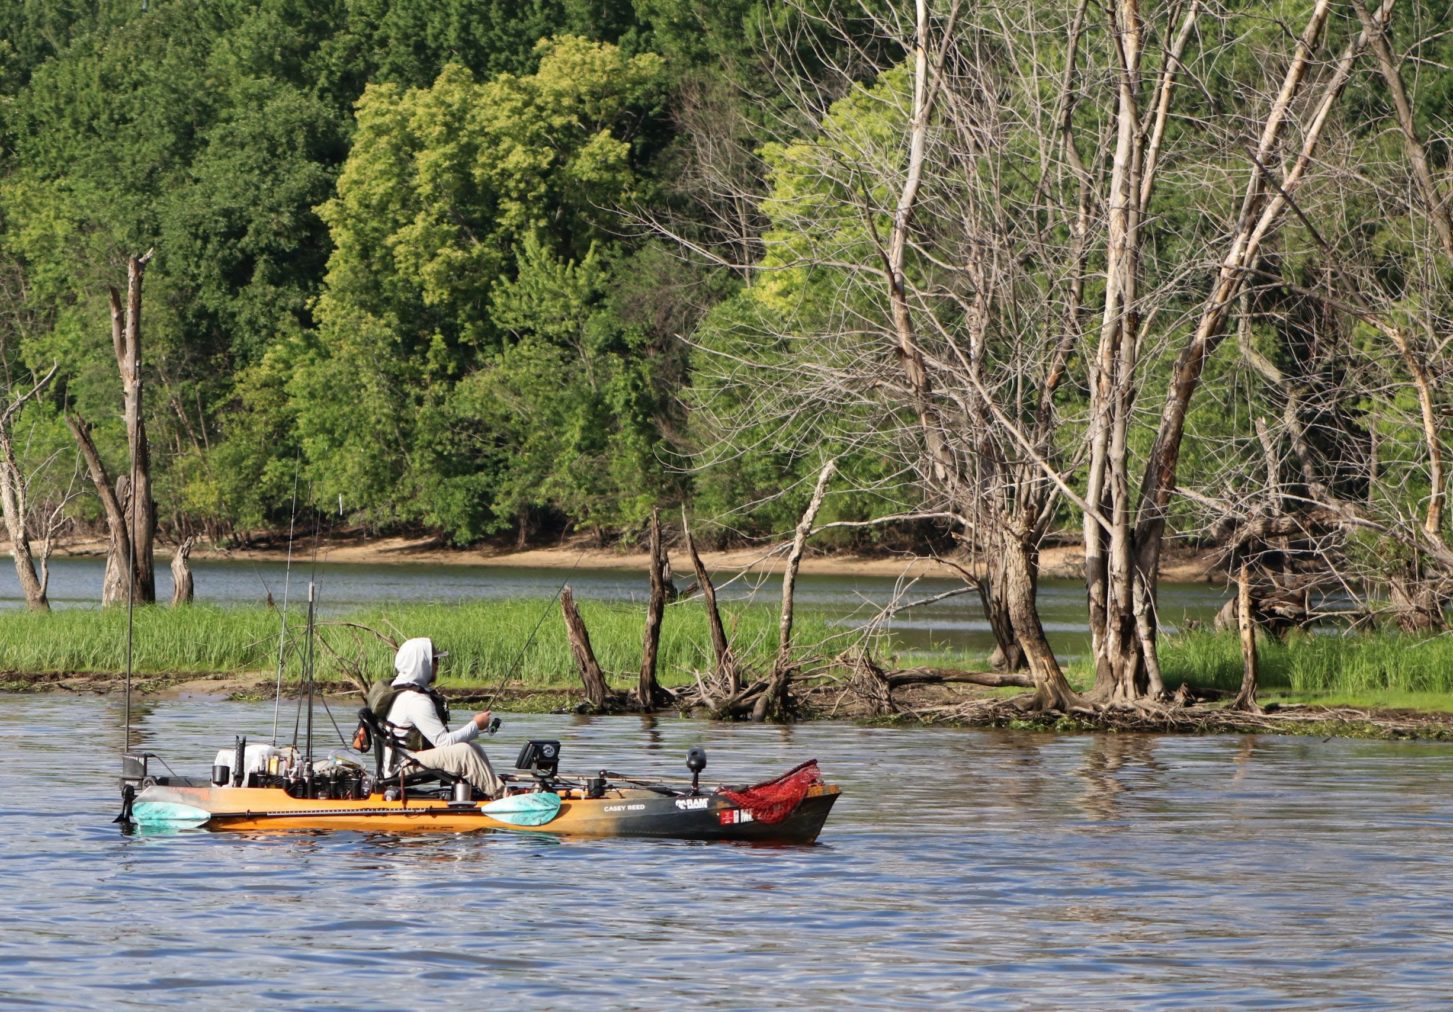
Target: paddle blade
[[524, 809], [167, 813]]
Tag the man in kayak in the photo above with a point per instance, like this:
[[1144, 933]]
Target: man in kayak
[[415, 715]]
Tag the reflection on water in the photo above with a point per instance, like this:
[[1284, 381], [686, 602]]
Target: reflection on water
[[1109, 762], [847, 601], [965, 868]]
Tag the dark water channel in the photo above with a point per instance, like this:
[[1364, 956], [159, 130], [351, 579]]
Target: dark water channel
[[960, 868], [955, 622]]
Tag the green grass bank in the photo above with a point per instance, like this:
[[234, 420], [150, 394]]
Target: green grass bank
[[487, 641], [1387, 670], [1381, 670], [525, 641]]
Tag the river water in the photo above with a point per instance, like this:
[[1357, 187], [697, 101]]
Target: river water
[[955, 622], [970, 868]]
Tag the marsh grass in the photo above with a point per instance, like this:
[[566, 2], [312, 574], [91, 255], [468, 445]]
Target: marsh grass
[[199, 639], [1316, 665], [523, 641], [1376, 670]]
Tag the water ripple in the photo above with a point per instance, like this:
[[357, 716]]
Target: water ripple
[[993, 870]]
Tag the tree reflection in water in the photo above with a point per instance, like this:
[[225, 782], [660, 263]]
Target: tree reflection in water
[[1105, 758]]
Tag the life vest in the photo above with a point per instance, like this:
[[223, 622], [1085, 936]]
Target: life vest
[[380, 701]]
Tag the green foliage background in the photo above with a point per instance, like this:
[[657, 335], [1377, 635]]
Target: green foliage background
[[389, 269], [397, 266]]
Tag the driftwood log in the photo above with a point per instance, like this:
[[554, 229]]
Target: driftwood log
[[875, 686]]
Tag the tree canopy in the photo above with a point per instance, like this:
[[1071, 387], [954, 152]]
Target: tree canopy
[[502, 268]]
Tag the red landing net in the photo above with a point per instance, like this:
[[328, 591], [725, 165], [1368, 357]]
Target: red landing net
[[774, 800]]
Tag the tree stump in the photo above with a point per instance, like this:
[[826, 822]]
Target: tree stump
[[1246, 698], [648, 690], [182, 573], [596, 690]]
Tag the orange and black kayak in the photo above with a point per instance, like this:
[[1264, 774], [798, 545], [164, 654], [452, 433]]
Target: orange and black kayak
[[791, 808]]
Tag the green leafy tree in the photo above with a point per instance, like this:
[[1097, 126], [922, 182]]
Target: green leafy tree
[[456, 201]]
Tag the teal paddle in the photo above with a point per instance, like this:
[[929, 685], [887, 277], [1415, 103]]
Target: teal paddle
[[524, 809], [168, 813]]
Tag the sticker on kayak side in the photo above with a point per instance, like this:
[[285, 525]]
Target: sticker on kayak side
[[691, 804], [733, 816]]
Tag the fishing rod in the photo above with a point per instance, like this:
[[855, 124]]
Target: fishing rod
[[308, 658], [132, 433], [519, 657], [308, 646], [283, 630]]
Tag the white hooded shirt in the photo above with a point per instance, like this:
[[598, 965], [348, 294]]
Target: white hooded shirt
[[414, 664]]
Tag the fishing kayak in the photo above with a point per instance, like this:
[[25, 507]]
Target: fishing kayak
[[267, 792]]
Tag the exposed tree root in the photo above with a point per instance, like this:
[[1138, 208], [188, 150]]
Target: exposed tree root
[[834, 696], [1195, 718]]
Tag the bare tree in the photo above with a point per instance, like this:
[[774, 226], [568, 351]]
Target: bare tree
[[944, 229], [1125, 530], [925, 319], [15, 500], [130, 510], [1349, 338]]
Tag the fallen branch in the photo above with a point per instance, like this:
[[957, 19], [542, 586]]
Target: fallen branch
[[941, 676]]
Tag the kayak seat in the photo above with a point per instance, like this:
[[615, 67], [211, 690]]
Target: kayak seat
[[370, 737], [376, 740]]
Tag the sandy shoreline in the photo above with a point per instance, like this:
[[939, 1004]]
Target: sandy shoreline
[[1057, 562]]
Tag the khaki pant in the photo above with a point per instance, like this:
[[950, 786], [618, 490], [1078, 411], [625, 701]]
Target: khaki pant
[[464, 759]]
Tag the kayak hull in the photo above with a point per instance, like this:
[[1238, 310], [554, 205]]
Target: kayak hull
[[621, 812]]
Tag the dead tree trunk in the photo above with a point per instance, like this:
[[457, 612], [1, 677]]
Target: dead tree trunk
[[1123, 558], [114, 587], [1019, 565], [596, 691], [773, 700], [1008, 654], [182, 573], [15, 501], [126, 341], [727, 675], [648, 691], [1246, 622]]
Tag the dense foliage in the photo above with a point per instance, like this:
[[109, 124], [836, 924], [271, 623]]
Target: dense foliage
[[390, 271], [405, 267]]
